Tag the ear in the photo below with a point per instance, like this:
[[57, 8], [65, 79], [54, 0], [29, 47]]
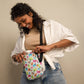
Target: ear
[[30, 14]]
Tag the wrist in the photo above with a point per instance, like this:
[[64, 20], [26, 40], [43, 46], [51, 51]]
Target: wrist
[[52, 46]]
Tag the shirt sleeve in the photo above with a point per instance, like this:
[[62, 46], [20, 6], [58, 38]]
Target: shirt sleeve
[[16, 50], [67, 34]]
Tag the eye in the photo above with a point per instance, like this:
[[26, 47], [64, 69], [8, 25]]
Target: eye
[[23, 20]]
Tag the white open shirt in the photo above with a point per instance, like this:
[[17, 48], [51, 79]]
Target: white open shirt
[[53, 32]]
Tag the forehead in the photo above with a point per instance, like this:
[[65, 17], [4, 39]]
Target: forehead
[[19, 18]]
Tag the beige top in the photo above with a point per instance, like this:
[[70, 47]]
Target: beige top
[[33, 39]]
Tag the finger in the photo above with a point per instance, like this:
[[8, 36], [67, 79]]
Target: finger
[[20, 59], [39, 50], [23, 53], [35, 50], [16, 58], [37, 47], [43, 51], [23, 58], [32, 50], [40, 47]]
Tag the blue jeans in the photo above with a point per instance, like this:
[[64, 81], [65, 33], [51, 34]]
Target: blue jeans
[[50, 76]]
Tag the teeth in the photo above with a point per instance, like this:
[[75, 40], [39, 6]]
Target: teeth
[[27, 26]]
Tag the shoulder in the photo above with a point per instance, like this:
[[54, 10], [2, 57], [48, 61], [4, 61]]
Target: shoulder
[[51, 22]]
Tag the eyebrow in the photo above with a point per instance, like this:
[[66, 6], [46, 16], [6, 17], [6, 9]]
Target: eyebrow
[[22, 19]]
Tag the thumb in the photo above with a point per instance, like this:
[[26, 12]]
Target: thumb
[[39, 47], [23, 53]]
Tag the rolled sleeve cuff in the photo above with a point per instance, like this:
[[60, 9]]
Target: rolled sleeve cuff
[[73, 46]]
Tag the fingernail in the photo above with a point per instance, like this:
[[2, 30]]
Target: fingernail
[[24, 58]]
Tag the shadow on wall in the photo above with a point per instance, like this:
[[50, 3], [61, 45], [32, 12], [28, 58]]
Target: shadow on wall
[[15, 72]]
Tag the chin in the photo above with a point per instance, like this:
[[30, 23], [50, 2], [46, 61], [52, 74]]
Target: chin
[[29, 27]]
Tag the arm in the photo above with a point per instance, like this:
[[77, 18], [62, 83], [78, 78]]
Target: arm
[[63, 33], [17, 54], [60, 44]]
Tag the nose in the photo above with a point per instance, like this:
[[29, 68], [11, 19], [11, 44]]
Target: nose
[[22, 25]]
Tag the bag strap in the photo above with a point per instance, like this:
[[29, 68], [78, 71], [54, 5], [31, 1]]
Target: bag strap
[[41, 43]]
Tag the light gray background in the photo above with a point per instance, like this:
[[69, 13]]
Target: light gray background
[[70, 13]]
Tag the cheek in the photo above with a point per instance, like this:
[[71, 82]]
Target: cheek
[[29, 20]]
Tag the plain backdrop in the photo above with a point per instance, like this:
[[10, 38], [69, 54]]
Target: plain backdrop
[[70, 13]]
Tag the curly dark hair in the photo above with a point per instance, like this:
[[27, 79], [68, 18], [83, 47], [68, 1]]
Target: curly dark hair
[[21, 9]]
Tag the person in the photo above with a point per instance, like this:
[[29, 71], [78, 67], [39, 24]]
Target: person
[[57, 39]]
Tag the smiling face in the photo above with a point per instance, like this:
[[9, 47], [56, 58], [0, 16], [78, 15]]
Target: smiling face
[[24, 21]]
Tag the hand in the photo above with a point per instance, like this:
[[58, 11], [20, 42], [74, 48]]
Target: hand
[[19, 57], [42, 48]]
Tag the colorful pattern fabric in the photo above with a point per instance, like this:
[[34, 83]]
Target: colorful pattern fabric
[[33, 67]]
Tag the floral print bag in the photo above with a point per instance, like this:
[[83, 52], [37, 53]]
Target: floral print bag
[[32, 66]]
